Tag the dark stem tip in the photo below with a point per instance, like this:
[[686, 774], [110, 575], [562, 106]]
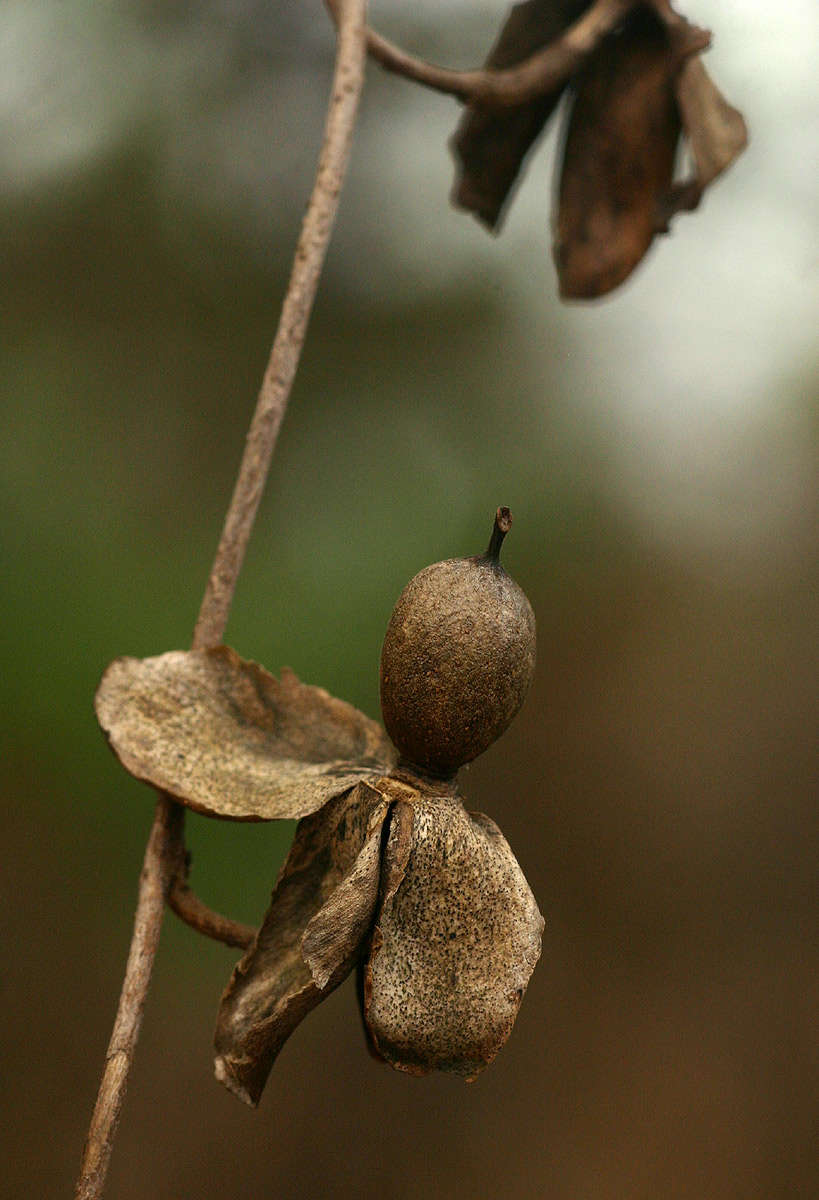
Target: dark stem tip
[[503, 523]]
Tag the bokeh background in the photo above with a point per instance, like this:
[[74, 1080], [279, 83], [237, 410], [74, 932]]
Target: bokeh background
[[659, 453]]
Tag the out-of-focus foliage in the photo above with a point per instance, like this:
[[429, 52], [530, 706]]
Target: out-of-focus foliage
[[659, 454]]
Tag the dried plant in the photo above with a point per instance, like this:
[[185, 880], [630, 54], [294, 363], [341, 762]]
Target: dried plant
[[638, 88], [388, 873]]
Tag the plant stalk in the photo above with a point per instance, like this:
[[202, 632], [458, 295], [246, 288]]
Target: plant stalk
[[164, 854]]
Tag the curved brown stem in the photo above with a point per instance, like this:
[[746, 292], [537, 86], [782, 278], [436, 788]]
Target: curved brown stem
[[544, 71], [503, 523], [164, 854], [194, 912]]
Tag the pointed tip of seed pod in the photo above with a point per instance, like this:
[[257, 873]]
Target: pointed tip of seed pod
[[224, 1075], [503, 523]]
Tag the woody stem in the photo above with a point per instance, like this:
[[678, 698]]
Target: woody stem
[[544, 71], [164, 855]]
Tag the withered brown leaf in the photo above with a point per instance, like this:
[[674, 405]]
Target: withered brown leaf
[[490, 145], [321, 911], [716, 133], [637, 89], [228, 739], [456, 939], [618, 159]]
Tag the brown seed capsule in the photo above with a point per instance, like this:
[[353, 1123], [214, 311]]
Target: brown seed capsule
[[458, 658]]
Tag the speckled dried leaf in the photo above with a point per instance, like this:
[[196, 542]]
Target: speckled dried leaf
[[456, 939], [386, 865], [228, 739], [321, 911]]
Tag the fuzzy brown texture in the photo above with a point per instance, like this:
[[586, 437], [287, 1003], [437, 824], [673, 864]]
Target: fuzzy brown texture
[[618, 159], [322, 908], [490, 144], [457, 662], [428, 900], [228, 739], [456, 940]]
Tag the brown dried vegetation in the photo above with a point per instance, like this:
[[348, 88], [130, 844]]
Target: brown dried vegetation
[[637, 91], [387, 872]]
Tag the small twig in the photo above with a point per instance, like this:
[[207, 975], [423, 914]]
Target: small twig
[[154, 881], [194, 912], [284, 357], [164, 854], [544, 71]]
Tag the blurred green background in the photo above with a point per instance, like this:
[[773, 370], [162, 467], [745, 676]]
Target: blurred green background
[[659, 454]]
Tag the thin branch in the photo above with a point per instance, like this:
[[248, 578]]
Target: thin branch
[[164, 854], [284, 357], [544, 71], [154, 881], [194, 912]]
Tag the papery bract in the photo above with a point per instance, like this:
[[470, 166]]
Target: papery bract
[[228, 739]]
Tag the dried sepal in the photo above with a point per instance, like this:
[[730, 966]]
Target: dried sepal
[[228, 739], [490, 145], [311, 937], [455, 942], [643, 87], [637, 80], [618, 159], [715, 131], [349, 909]]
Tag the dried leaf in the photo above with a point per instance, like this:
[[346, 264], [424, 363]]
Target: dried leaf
[[350, 909], [229, 739], [320, 914], [618, 159], [455, 942], [490, 146], [714, 129]]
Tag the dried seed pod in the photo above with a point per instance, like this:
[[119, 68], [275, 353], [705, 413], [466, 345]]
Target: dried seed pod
[[458, 658]]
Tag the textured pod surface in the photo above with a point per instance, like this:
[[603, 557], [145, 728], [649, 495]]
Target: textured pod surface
[[457, 662], [320, 913], [618, 159], [456, 940], [228, 739]]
